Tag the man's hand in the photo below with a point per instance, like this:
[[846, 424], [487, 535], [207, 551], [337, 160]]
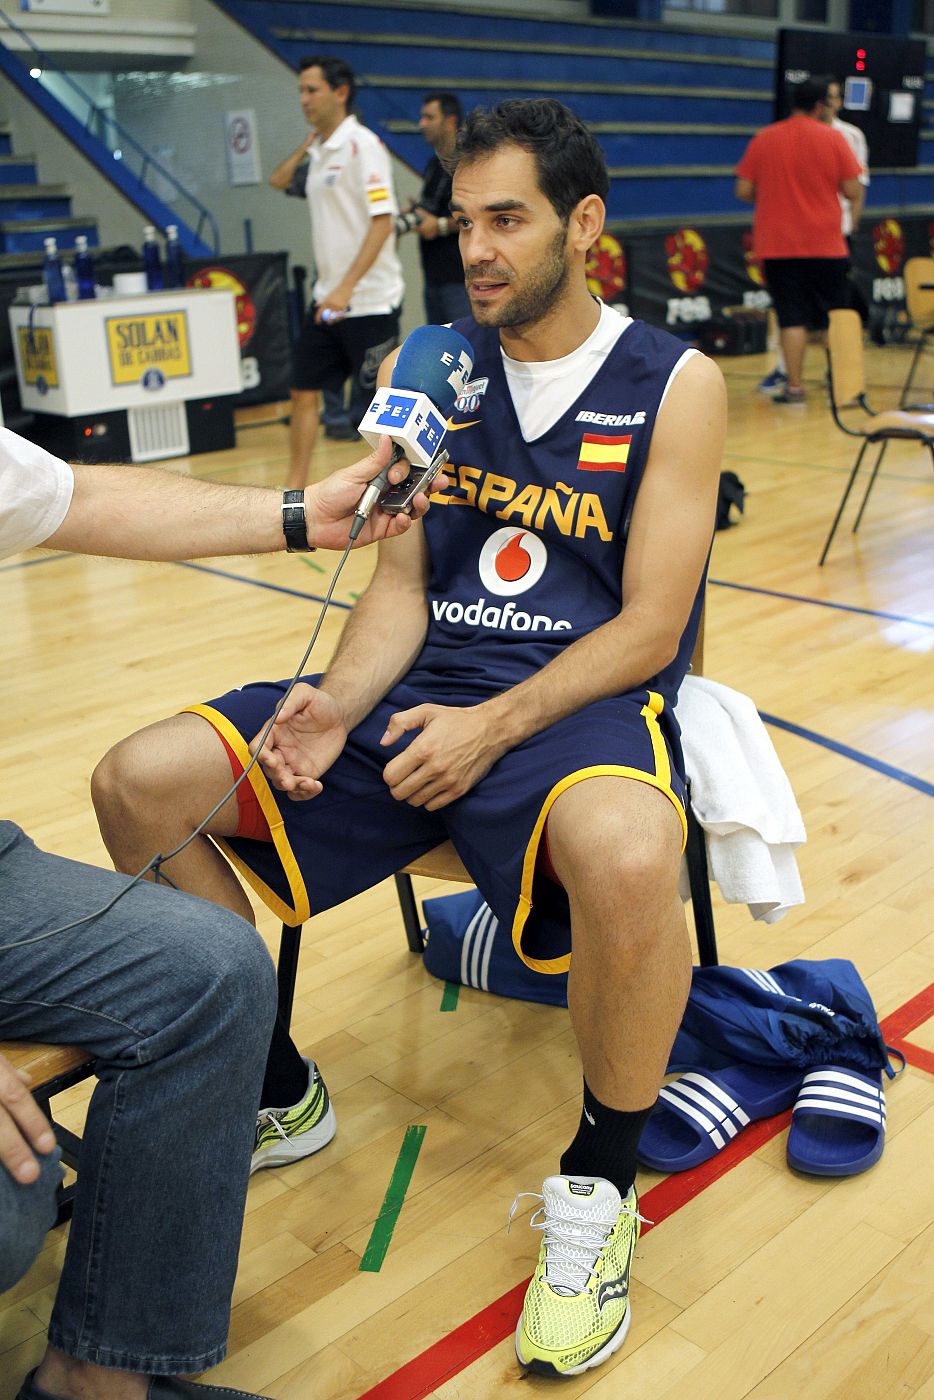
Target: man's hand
[[329, 506], [308, 735], [338, 300], [22, 1125], [428, 224], [450, 756]]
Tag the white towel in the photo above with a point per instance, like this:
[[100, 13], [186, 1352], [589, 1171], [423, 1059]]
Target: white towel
[[742, 798]]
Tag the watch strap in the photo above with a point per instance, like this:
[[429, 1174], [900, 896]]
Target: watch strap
[[294, 524]]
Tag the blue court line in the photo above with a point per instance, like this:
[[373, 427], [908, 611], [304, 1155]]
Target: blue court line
[[821, 603], [260, 583], [889, 771], [30, 563]]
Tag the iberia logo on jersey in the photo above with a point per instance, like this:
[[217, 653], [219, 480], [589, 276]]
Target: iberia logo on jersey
[[606, 269], [753, 266], [888, 244], [688, 259]]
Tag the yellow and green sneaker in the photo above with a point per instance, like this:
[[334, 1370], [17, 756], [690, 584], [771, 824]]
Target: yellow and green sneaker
[[576, 1310], [286, 1134]]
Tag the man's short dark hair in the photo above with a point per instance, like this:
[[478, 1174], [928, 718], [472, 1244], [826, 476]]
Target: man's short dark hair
[[449, 103], [568, 158], [805, 96], [335, 71]]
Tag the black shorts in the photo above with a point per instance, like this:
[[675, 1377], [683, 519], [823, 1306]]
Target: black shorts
[[325, 357], [803, 290]]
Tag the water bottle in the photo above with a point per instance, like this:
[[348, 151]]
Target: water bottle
[[174, 263], [152, 260], [52, 272], [84, 269]]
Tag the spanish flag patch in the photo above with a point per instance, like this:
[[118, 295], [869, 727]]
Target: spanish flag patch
[[374, 196], [604, 454]]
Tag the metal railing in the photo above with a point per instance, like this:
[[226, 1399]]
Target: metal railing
[[100, 125]]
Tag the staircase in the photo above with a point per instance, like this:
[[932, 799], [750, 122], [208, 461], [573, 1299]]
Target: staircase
[[31, 212]]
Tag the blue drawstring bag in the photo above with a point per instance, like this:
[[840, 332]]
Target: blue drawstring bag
[[800, 1013], [465, 943]]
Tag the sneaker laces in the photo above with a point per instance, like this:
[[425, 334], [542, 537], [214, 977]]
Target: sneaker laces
[[271, 1116], [572, 1247]]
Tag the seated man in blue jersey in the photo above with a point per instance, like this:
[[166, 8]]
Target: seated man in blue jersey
[[511, 669]]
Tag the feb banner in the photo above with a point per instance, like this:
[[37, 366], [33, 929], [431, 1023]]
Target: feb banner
[[258, 281], [684, 275]]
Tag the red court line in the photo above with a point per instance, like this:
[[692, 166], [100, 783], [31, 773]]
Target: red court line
[[494, 1323]]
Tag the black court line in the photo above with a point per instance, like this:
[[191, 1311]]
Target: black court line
[[877, 764], [821, 603], [260, 583]]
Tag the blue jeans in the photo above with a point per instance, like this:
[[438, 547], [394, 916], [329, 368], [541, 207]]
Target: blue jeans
[[445, 301], [176, 998], [27, 1214]]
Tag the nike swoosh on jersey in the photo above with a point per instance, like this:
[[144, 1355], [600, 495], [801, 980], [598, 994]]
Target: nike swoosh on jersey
[[456, 427]]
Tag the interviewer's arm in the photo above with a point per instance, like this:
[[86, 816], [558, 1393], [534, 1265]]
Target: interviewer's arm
[[141, 513]]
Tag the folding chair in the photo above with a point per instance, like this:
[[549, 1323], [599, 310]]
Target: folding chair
[[919, 298], [53, 1068], [848, 386]]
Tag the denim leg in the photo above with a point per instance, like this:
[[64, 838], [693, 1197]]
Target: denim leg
[[27, 1214], [176, 997]]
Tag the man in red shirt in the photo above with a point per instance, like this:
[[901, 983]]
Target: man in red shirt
[[792, 172]]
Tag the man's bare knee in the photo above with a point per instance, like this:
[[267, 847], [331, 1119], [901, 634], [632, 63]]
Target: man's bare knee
[[160, 779]]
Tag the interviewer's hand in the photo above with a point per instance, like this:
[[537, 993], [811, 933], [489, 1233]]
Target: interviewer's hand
[[449, 757], [22, 1125], [329, 505]]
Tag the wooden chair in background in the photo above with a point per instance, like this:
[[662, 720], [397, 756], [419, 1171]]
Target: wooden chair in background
[[848, 390], [919, 298], [53, 1068], [443, 863]]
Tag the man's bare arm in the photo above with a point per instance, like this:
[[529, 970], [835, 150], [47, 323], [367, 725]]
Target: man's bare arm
[[143, 513], [341, 297], [284, 173], [746, 191]]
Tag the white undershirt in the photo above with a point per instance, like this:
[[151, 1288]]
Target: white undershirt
[[543, 390]]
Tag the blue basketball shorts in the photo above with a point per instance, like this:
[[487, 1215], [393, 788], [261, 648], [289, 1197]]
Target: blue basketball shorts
[[355, 833]]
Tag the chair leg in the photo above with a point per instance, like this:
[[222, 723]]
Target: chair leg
[[849, 486], [872, 482], [699, 880], [920, 348], [287, 969], [413, 929]]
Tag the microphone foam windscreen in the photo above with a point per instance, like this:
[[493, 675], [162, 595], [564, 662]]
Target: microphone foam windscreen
[[434, 360]]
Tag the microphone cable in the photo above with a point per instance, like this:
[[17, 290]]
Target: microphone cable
[[157, 861]]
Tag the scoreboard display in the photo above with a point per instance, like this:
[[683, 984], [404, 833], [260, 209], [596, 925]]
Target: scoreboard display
[[881, 78]]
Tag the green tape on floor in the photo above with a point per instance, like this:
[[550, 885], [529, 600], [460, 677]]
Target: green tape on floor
[[450, 995], [378, 1243]]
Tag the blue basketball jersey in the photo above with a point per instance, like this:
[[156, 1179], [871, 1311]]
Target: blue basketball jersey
[[526, 548]]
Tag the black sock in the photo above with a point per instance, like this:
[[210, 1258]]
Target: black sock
[[286, 1081], [606, 1143]]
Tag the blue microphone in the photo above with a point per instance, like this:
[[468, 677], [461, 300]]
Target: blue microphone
[[431, 371]]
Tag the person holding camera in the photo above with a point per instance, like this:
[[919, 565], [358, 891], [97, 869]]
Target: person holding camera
[[445, 291]]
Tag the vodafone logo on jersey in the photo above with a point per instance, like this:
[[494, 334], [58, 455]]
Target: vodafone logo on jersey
[[512, 561]]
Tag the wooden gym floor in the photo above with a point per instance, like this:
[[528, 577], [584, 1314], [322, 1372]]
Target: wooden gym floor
[[753, 1281]]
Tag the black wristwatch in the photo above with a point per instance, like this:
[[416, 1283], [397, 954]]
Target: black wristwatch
[[294, 525]]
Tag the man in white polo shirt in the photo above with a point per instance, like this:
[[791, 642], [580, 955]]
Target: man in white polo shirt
[[343, 170]]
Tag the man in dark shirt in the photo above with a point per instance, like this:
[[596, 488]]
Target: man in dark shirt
[[445, 293]]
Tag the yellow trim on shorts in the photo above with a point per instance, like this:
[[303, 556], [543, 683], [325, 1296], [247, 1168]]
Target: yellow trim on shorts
[[300, 910], [660, 779]]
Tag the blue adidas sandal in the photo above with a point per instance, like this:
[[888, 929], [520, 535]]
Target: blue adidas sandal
[[838, 1123], [698, 1114]]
